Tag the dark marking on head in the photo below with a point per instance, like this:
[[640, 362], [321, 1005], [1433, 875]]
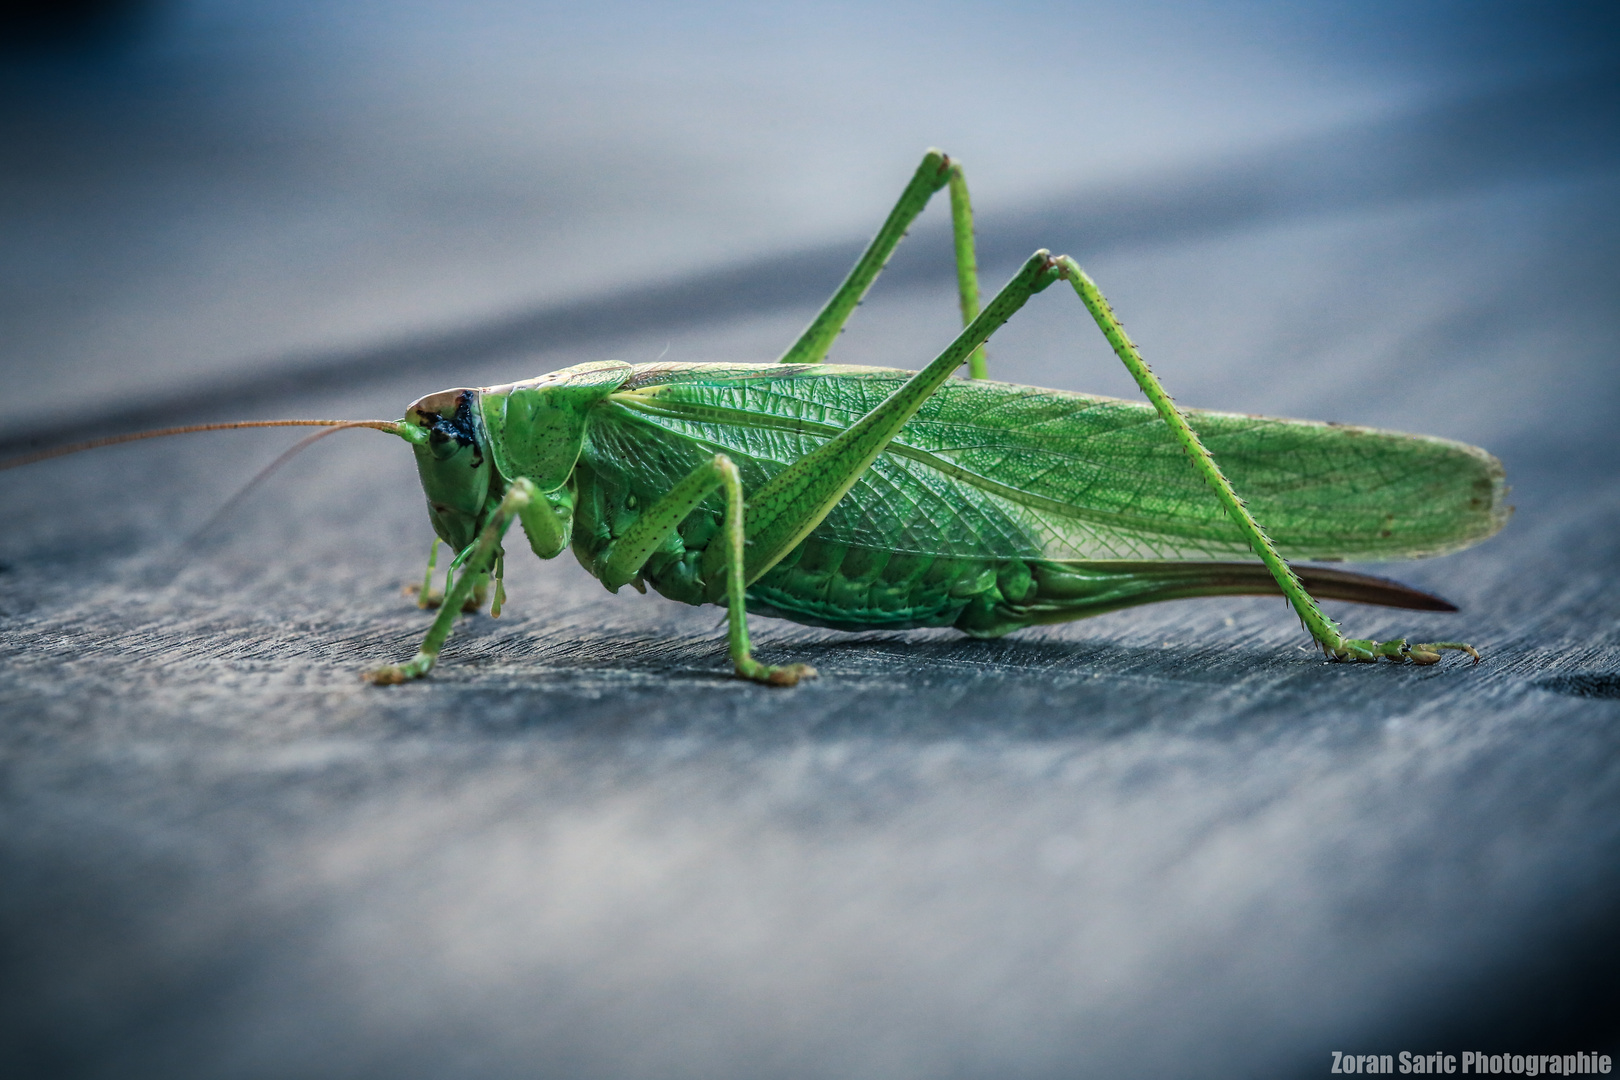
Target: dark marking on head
[[460, 428]]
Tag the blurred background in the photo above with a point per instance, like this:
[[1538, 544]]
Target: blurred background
[[1148, 844], [201, 191]]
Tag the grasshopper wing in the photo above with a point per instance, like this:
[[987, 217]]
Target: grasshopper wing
[[997, 470]]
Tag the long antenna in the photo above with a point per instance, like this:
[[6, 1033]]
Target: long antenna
[[264, 474], [390, 426]]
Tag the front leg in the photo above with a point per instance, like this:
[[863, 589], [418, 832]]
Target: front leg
[[427, 597], [475, 570]]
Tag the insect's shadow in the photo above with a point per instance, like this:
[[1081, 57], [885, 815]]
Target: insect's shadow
[[1582, 684], [910, 688]]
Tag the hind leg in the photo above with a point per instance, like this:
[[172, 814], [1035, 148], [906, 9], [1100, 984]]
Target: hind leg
[[936, 171], [1323, 629]]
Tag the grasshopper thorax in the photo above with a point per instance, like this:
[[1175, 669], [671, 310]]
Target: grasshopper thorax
[[536, 428], [452, 458]]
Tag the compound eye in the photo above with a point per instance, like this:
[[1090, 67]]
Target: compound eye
[[445, 440]]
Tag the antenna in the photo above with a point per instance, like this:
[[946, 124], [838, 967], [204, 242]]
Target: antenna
[[265, 473], [393, 427]]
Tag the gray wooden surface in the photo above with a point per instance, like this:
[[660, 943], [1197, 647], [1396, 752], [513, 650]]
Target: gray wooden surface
[[1162, 842]]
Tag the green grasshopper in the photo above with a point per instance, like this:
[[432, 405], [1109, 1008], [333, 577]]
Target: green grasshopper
[[865, 498]]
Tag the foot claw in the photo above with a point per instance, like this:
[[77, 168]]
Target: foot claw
[[394, 674], [431, 599], [786, 675], [1431, 653], [389, 675], [427, 600], [790, 674]]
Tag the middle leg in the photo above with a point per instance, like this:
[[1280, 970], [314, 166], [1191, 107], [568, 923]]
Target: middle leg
[[427, 597], [631, 549]]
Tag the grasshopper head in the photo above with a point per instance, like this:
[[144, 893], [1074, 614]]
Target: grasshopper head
[[452, 458]]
